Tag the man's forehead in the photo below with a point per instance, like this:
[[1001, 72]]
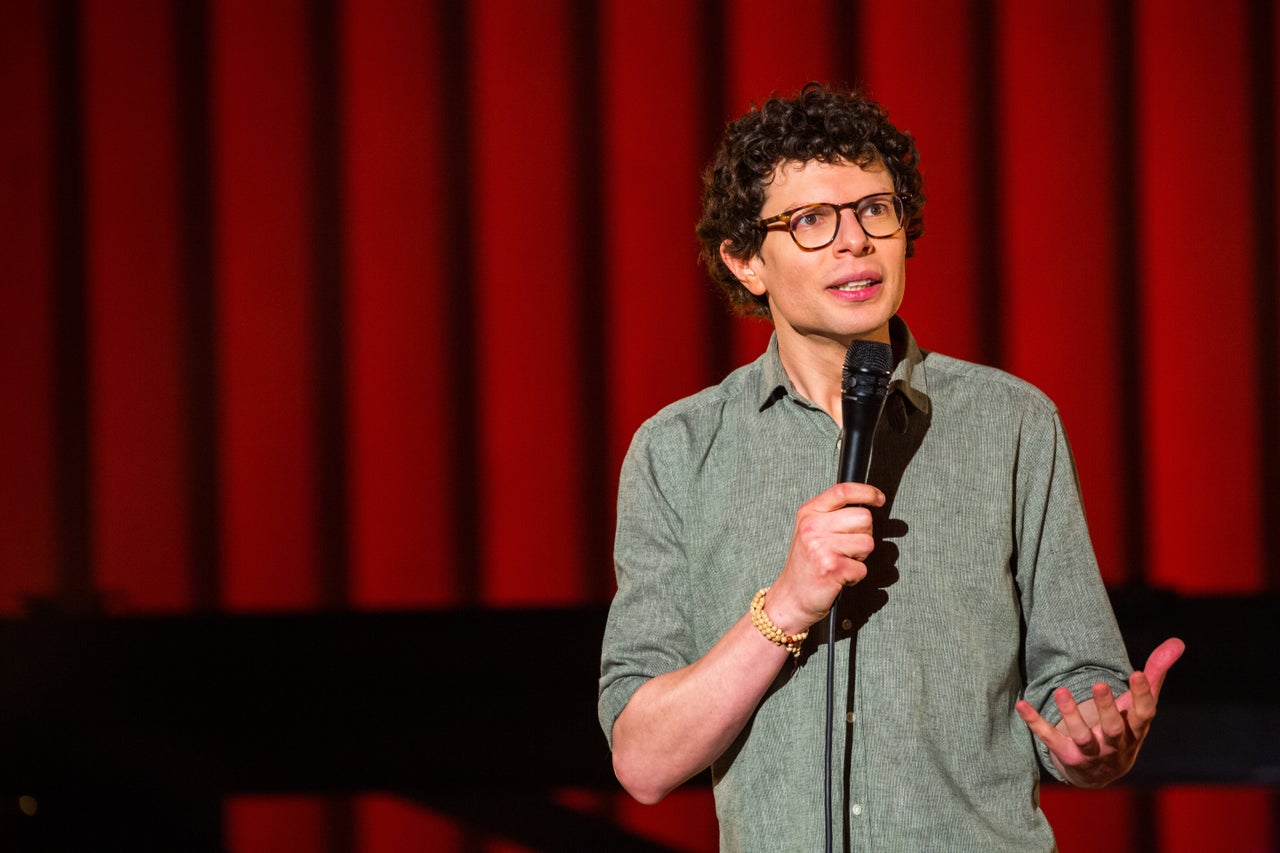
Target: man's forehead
[[787, 171]]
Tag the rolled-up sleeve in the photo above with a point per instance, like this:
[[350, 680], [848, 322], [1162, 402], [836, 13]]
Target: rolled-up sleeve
[[647, 633], [1072, 639]]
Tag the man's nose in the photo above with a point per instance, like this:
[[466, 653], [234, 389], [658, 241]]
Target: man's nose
[[851, 235]]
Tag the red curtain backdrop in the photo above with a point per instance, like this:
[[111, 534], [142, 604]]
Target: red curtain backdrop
[[356, 305]]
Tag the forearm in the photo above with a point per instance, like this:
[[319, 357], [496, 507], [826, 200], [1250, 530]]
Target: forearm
[[678, 723]]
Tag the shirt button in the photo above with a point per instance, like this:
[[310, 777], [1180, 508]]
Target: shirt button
[[847, 624], [857, 809], [848, 718]]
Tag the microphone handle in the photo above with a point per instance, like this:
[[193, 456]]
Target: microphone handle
[[860, 417]]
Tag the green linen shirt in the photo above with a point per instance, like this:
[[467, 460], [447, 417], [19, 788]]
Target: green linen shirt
[[983, 588]]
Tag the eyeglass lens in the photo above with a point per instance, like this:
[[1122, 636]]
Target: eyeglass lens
[[816, 226]]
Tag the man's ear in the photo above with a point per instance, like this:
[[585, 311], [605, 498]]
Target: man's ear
[[742, 270]]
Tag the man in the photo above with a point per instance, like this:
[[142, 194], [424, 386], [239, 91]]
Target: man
[[974, 631]]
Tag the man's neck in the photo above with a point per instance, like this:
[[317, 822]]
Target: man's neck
[[815, 366]]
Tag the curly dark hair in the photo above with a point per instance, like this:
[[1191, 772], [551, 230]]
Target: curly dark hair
[[821, 123]]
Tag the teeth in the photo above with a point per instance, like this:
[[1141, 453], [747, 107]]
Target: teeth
[[855, 285]]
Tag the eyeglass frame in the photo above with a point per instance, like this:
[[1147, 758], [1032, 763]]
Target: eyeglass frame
[[784, 218]]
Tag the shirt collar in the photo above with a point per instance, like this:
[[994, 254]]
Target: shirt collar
[[908, 385], [909, 373], [774, 381]]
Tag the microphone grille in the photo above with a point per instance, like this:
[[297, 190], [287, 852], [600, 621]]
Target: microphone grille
[[867, 366]]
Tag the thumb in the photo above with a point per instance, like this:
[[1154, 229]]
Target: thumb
[[1165, 655]]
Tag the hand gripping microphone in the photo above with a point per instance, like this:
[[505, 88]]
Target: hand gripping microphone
[[864, 387]]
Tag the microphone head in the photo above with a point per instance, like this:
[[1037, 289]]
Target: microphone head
[[867, 367]]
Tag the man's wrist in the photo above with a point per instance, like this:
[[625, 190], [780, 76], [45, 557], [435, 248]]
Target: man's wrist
[[770, 631]]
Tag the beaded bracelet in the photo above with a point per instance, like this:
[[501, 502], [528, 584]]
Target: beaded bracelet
[[772, 632]]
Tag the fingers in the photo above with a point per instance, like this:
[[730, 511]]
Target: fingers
[[1165, 655], [1076, 727], [855, 546], [846, 519], [1110, 721], [1040, 727], [829, 537], [848, 494], [1145, 684]]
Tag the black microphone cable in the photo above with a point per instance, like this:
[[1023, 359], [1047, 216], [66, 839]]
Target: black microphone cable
[[864, 386]]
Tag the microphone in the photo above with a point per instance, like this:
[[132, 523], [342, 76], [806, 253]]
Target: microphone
[[863, 389]]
